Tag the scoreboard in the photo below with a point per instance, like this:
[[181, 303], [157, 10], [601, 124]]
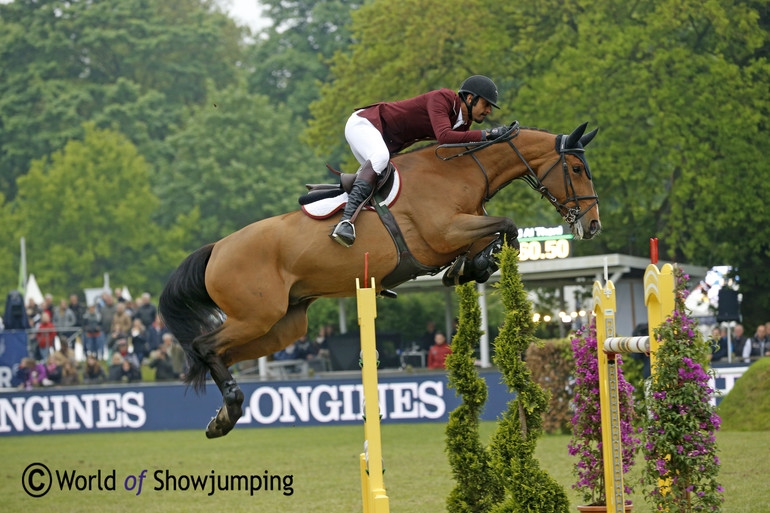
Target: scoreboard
[[544, 243]]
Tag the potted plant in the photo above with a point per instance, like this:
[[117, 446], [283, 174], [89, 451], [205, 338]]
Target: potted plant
[[586, 441], [681, 462]]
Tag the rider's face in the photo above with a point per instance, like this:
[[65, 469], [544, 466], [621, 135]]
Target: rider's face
[[481, 110]]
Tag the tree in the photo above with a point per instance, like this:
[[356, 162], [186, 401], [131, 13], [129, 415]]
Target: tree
[[66, 62], [87, 209], [291, 57], [238, 159]]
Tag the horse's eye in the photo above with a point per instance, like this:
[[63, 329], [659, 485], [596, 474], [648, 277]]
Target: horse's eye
[[577, 169]]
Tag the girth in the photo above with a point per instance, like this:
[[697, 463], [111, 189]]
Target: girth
[[408, 267]]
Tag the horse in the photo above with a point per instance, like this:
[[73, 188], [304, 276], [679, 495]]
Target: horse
[[247, 295]]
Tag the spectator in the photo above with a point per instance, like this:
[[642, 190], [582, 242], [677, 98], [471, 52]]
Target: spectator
[[52, 372], [146, 311], [48, 305], [161, 362], [107, 313], [756, 346], [93, 374], [139, 340], [427, 339], [69, 374], [121, 325], [122, 370], [287, 353], [77, 309], [31, 374], [122, 350], [45, 336], [438, 352], [175, 351], [325, 334], [306, 349], [64, 319], [155, 333], [33, 312], [739, 340], [64, 353], [94, 338], [119, 295]]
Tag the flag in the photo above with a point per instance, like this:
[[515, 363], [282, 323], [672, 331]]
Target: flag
[[22, 286]]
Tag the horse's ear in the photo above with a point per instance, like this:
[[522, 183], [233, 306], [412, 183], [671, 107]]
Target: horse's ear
[[574, 138], [588, 137]]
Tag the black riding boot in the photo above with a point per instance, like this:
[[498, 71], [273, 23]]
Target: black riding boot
[[345, 233]]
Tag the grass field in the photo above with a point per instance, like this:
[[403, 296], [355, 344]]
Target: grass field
[[322, 460]]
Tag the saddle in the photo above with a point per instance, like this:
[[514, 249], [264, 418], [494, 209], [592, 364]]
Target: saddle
[[320, 191], [386, 190]]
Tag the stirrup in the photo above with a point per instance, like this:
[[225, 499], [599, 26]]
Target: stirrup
[[342, 239]]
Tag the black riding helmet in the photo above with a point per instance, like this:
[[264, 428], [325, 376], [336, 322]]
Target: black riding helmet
[[480, 87]]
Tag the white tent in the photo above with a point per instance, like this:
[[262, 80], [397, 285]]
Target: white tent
[[33, 291]]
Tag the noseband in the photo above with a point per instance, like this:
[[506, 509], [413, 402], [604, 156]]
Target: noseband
[[570, 214]]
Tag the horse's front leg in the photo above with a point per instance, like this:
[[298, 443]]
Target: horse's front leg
[[465, 229], [483, 262]]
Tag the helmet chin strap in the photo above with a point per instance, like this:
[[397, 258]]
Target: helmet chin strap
[[474, 101]]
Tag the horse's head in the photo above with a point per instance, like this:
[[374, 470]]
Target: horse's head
[[567, 183]]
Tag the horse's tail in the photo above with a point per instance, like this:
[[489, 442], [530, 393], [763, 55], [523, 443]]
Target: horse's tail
[[189, 312]]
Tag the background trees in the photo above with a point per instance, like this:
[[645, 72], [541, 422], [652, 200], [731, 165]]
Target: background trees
[[678, 89]]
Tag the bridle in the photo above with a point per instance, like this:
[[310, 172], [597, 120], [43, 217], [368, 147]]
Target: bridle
[[570, 214]]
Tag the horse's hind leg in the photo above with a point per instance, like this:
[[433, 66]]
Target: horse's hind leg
[[288, 329], [232, 396]]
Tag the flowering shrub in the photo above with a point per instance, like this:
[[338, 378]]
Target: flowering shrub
[[586, 442], [680, 427]]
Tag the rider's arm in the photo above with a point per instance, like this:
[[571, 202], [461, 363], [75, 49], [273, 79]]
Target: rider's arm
[[442, 106]]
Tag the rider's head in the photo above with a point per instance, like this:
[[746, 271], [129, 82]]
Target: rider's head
[[479, 94]]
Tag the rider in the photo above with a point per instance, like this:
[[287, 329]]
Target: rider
[[378, 131]]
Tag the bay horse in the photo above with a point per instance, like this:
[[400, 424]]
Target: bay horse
[[247, 295]]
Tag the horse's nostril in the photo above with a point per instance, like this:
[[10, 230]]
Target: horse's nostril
[[595, 227]]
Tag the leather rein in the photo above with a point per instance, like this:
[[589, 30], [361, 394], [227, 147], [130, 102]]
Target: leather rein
[[570, 214]]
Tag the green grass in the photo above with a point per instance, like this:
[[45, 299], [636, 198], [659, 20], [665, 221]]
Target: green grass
[[324, 462]]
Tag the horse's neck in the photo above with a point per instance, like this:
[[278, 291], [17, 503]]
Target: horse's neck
[[535, 147]]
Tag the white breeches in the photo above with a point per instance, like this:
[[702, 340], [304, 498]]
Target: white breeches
[[366, 142]]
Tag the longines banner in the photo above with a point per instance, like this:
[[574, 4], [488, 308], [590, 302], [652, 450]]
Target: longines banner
[[414, 398]]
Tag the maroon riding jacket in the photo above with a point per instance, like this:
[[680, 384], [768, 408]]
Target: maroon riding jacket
[[429, 116]]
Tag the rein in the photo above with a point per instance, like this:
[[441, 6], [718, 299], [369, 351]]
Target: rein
[[570, 214]]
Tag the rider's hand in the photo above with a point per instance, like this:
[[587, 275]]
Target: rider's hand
[[490, 134]]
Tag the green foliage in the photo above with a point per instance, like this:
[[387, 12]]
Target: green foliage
[[747, 406], [477, 489], [292, 55], [231, 160], [528, 487], [87, 210], [132, 63]]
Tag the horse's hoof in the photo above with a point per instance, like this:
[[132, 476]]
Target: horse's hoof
[[227, 415]]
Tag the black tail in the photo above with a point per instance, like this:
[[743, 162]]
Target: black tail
[[189, 312]]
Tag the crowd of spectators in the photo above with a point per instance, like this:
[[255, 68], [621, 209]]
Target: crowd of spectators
[[744, 348], [117, 337]]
